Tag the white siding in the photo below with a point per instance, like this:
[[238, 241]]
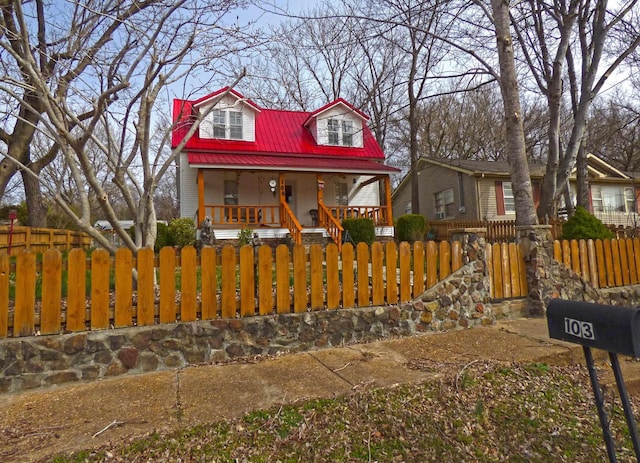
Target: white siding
[[188, 188]]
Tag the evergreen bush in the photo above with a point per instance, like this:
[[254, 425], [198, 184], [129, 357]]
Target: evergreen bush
[[182, 232], [360, 229], [411, 227], [163, 237], [583, 225]]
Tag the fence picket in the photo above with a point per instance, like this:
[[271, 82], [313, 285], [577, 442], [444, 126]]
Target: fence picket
[[228, 305], [584, 260], [497, 271], [557, 250], [405, 271], [615, 254], [506, 279], [188, 284], [123, 310], [316, 275], [24, 312], [283, 301], [514, 270], [608, 262], [445, 260], [76, 293], [146, 294], [391, 261], [333, 276], [432, 264], [168, 284], [633, 273], [299, 279], [348, 278], [5, 271], [100, 269], [418, 268], [566, 253], [265, 280], [362, 257], [377, 277], [575, 256], [593, 265], [51, 291], [624, 262], [456, 255]]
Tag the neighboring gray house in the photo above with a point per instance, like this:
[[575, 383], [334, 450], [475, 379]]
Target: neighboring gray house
[[456, 189]]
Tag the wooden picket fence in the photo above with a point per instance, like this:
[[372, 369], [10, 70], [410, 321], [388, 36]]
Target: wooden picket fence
[[506, 269], [604, 263], [75, 293], [22, 239]]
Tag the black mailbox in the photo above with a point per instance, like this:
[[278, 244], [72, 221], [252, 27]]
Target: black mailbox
[[610, 328]]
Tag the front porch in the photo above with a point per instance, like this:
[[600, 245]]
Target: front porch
[[290, 204]]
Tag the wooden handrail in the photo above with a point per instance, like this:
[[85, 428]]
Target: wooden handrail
[[376, 213], [289, 221], [332, 225], [248, 214]]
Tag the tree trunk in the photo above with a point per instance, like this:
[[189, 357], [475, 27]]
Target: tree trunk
[[517, 156], [35, 202]]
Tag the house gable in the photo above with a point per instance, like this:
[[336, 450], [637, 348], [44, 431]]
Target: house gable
[[229, 116], [337, 124]]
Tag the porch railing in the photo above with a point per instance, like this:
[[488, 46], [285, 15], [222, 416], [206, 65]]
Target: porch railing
[[331, 224], [379, 214], [246, 214], [289, 221]]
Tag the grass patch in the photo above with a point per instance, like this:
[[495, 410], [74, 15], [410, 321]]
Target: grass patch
[[496, 413]]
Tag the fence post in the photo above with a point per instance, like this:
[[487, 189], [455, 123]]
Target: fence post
[[537, 251]]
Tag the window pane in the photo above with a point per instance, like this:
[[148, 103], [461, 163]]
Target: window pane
[[347, 133], [630, 199], [342, 194], [219, 124], [509, 200], [333, 130], [235, 125]]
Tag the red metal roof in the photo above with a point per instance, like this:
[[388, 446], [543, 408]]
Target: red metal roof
[[248, 161], [277, 133]]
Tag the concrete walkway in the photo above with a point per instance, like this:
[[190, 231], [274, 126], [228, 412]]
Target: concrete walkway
[[73, 417]]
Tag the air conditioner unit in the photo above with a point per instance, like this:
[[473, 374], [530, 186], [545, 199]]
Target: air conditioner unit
[[439, 215]]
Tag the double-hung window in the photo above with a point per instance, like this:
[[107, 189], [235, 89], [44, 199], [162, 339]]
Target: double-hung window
[[509, 199], [340, 132], [227, 124], [444, 203]]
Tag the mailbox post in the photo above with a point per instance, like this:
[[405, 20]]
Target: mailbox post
[[609, 328]]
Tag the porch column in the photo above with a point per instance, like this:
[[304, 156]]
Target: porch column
[[201, 211], [320, 190], [281, 196], [387, 192]]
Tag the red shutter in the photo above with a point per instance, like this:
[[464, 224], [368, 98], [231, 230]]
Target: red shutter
[[499, 198], [536, 194], [637, 193]]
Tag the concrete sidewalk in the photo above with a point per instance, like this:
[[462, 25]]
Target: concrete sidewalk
[[69, 418]]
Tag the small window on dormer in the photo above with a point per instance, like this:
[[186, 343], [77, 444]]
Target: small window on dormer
[[340, 132], [227, 124]]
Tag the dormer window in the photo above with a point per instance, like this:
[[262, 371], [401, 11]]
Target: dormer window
[[340, 132], [227, 124]]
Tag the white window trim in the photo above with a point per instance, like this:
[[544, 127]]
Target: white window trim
[[343, 132], [227, 124], [508, 209]]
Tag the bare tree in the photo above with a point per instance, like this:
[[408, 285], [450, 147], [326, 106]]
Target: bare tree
[[132, 57], [583, 43]]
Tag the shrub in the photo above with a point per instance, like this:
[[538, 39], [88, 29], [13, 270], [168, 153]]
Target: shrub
[[411, 227], [245, 236], [182, 231], [360, 230], [163, 237], [583, 225]]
